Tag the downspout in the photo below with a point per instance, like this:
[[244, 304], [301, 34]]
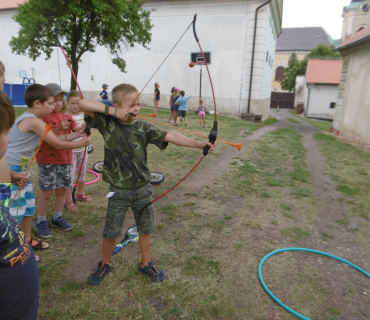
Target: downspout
[[308, 98], [254, 45]]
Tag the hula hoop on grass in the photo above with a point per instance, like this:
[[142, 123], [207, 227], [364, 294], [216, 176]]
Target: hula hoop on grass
[[299, 249], [91, 182]]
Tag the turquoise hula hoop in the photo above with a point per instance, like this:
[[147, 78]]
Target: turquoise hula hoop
[[299, 249]]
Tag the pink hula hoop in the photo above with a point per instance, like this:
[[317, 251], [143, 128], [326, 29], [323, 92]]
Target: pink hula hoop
[[91, 182]]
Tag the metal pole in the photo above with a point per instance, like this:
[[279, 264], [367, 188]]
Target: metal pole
[[200, 86]]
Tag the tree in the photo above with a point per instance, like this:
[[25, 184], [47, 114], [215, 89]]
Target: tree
[[296, 68], [82, 25]]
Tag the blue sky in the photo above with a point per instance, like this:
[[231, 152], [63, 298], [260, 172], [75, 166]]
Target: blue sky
[[315, 13]]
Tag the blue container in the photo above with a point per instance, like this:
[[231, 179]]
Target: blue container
[[15, 92]]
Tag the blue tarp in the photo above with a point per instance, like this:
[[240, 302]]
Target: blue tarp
[[15, 92]]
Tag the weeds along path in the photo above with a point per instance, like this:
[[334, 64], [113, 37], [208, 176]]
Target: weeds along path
[[327, 233], [203, 178], [329, 201]]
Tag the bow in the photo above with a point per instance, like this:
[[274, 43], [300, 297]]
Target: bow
[[212, 135], [87, 128]]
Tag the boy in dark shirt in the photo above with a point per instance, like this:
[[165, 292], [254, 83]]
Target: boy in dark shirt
[[125, 169], [104, 93]]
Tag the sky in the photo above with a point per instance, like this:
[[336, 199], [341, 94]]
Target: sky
[[315, 13]]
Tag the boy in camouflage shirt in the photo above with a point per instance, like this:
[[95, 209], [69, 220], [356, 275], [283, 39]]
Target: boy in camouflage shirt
[[125, 169]]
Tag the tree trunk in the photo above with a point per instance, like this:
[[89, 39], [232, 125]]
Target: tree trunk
[[74, 64]]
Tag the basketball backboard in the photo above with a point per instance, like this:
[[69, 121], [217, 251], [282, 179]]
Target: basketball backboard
[[197, 57]]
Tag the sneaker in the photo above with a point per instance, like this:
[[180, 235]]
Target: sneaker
[[61, 223], [168, 123], [152, 271], [175, 125], [186, 125], [43, 229], [98, 275]]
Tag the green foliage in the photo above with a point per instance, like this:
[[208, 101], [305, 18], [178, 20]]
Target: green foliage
[[323, 51], [296, 68], [82, 25]]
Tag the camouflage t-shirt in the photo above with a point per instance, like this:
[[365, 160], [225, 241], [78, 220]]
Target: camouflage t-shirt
[[125, 149]]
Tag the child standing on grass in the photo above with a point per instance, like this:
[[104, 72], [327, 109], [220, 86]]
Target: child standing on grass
[[157, 97], [104, 93], [174, 108], [202, 112], [79, 154], [182, 102], [19, 274], [125, 169], [7, 175], [24, 137], [55, 166]]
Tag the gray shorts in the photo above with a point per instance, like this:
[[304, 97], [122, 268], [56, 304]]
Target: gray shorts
[[181, 113], [118, 204], [54, 176]]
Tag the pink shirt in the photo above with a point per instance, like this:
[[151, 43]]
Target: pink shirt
[[48, 154]]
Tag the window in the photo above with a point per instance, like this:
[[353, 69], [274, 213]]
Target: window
[[333, 105], [279, 73], [360, 28]]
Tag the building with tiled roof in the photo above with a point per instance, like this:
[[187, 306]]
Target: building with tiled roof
[[10, 4], [298, 40], [352, 117], [320, 87], [241, 36], [302, 39], [356, 16], [322, 71]]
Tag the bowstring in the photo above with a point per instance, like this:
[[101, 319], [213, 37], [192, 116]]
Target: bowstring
[[163, 62]]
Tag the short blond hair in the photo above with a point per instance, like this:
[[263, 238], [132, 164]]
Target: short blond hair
[[73, 94], [120, 91]]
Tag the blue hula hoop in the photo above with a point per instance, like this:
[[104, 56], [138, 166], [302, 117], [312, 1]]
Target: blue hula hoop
[[299, 249]]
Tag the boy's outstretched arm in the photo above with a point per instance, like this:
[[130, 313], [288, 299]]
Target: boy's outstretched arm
[[91, 106], [180, 140], [38, 126]]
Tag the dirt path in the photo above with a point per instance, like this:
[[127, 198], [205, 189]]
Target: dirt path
[[329, 206]]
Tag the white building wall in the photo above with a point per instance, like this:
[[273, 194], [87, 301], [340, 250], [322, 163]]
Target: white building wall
[[268, 57], [354, 118], [320, 97], [224, 27]]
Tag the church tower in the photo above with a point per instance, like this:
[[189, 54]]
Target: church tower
[[356, 16]]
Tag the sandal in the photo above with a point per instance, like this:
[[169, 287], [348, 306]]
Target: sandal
[[71, 206], [83, 197], [38, 244], [37, 258]]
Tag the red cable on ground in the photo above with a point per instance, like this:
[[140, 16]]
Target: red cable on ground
[[162, 195]]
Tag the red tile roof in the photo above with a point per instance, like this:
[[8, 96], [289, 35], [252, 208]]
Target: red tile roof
[[361, 35], [324, 71], [10, 4]]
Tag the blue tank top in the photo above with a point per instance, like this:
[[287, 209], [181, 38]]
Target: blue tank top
[[202, 108]]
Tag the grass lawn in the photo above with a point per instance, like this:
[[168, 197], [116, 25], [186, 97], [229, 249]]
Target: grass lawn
[[211, 244]]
